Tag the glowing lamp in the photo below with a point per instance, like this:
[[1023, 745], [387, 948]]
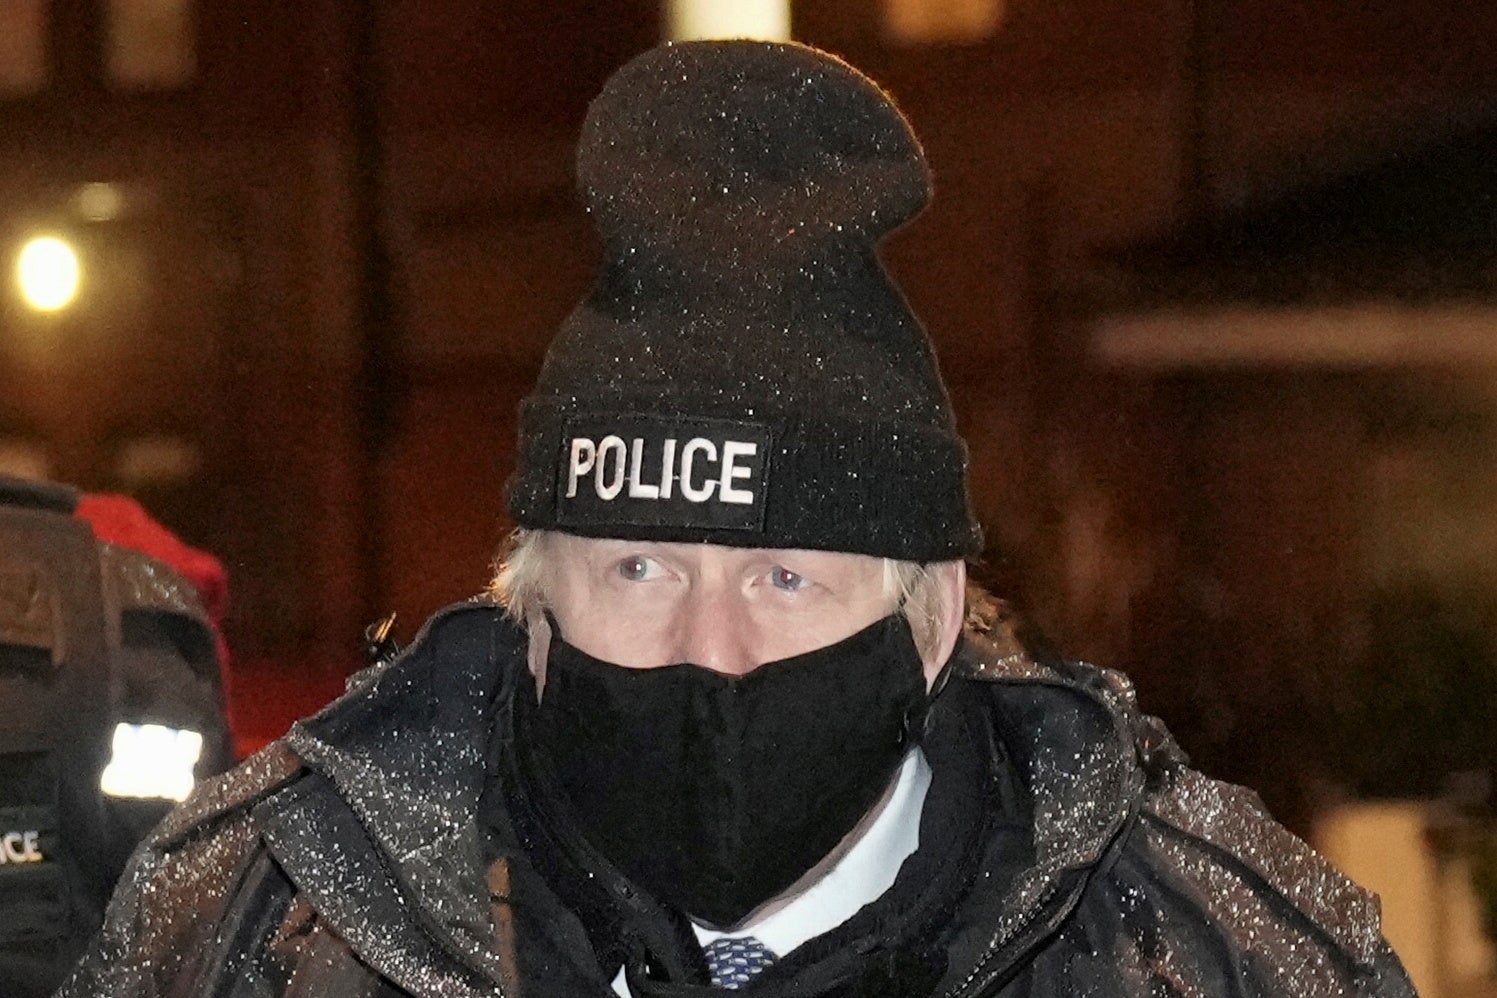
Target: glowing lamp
[[48, 273], [763, 19]]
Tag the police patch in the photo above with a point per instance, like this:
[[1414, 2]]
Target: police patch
[[33, 887], [28, 610], [640, 470], [28, 835]]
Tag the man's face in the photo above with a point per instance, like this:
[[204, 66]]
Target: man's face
[[647, 604]]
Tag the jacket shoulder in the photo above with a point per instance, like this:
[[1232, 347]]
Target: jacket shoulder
[[1231, 822], [233, 792], [1202, 889], [168, 907], [1292, 920], [281, 762], [1299, 925]]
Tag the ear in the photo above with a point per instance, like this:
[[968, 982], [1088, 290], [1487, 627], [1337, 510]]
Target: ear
[[950, 580]]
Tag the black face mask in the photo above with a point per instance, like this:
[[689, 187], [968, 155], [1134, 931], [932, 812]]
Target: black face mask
[[716, 794]]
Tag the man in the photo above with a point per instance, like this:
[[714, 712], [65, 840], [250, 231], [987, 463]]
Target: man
[[110, 705], [733, 727]]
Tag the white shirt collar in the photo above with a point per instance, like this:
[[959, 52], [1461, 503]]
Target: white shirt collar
[[866, 871]]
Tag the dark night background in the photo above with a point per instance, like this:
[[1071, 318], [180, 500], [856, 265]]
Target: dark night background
[[1212, 284]]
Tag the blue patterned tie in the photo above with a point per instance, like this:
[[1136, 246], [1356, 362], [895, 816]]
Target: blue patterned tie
[[734, 962]]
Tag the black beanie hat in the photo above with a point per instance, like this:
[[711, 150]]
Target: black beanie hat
[[744, 371]]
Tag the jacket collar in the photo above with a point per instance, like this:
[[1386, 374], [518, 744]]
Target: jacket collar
[[404, 750], [1070, 731]]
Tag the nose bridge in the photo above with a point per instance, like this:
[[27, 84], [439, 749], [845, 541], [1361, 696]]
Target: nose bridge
[[719, 629]]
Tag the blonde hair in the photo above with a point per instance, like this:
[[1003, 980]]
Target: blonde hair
[[520, 587]]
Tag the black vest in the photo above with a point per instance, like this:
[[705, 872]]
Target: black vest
[[91, 636]]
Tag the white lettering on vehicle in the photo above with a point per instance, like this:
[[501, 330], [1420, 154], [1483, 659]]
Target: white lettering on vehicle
[[20, 847]]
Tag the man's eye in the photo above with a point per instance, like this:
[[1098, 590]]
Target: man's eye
[[637, 568], [783, 578]]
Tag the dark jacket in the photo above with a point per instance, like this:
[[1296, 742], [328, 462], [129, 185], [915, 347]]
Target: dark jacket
[[368, 853]]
